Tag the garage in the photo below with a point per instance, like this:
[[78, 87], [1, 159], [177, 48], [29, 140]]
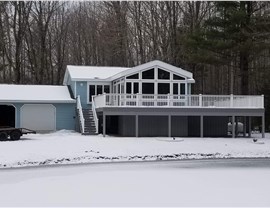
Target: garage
[[38, 117], [7, 117]]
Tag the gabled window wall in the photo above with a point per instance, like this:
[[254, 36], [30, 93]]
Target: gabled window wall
[[152, 81]]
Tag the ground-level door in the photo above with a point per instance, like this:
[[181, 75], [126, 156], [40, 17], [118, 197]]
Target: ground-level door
[[39, 117], [7, 115]]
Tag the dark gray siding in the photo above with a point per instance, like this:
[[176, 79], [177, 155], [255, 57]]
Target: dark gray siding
[[194, 126], [153, 126], [179, 126], [215, 126], [127, 126]]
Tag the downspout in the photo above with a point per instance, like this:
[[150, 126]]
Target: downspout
[[75, 89]]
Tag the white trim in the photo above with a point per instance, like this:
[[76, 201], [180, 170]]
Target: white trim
[[39, 105]]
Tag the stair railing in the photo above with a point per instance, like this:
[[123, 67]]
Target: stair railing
[[94, 113], [81, 118]]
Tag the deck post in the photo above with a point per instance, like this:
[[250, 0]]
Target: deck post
[[236, 126], [233, 127], [169, 126], [104, 124], [263, 127], [201, 126], [249, 126], [245, 126], [137, 126]]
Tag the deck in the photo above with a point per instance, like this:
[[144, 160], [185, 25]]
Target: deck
[[139, 106], [179, 101]]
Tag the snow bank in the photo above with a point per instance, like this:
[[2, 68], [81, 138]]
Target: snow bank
[[67, 147]]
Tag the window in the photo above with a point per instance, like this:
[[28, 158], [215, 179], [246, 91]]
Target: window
[[99, 89], [163, 74], [135, 87], [92, 91], [163, 88], [107, 88], [149, 74], [128, 88], [182, 89], [148, 88], [134, 76], [175, 88], [176, 77]]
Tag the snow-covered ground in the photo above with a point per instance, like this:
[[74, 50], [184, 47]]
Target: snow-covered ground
[[158, 184], [66, 147]]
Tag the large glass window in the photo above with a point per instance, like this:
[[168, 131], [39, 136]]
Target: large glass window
[[163, 74], [128, 88], [163, 88], [148, 88], [135, 87], [176, 77], [134, 76], [182, 88], [175, 88], [149, 74]]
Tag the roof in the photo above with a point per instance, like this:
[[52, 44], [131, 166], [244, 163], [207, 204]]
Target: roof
[[35, 94], [84, 73], [98, 73], [152, 64]]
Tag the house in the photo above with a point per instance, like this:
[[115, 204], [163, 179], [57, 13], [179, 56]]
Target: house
[[152, 99]]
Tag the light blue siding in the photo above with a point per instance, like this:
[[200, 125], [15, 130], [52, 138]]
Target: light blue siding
[[72, 85], [81, 88], [65, 116]]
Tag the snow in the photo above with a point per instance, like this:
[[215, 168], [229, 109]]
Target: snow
[[34, 93], [144, 184], [67, 147], [83, 73]]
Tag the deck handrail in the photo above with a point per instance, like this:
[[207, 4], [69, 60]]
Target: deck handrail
[[81, 118], [163, 100], [95, 114]]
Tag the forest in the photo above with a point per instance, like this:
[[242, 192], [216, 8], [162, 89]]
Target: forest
[[225, 44]]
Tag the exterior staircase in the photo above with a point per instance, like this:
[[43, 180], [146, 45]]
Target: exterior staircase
[[89, 123]]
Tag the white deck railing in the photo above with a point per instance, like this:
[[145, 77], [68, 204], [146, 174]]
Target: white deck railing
[[81, 118], [178, 101], [95, 115]]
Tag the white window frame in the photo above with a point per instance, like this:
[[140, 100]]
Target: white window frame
[[95, 84]]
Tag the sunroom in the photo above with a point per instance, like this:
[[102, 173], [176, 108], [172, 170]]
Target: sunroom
[[151, 85]]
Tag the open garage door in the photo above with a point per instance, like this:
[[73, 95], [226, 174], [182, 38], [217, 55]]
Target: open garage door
[[38, 117], [7, 115]]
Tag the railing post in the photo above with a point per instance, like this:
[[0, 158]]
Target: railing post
[[137, 99], [231, 100], [200, 100], [104, 99], [168, 99], [262, 101]]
